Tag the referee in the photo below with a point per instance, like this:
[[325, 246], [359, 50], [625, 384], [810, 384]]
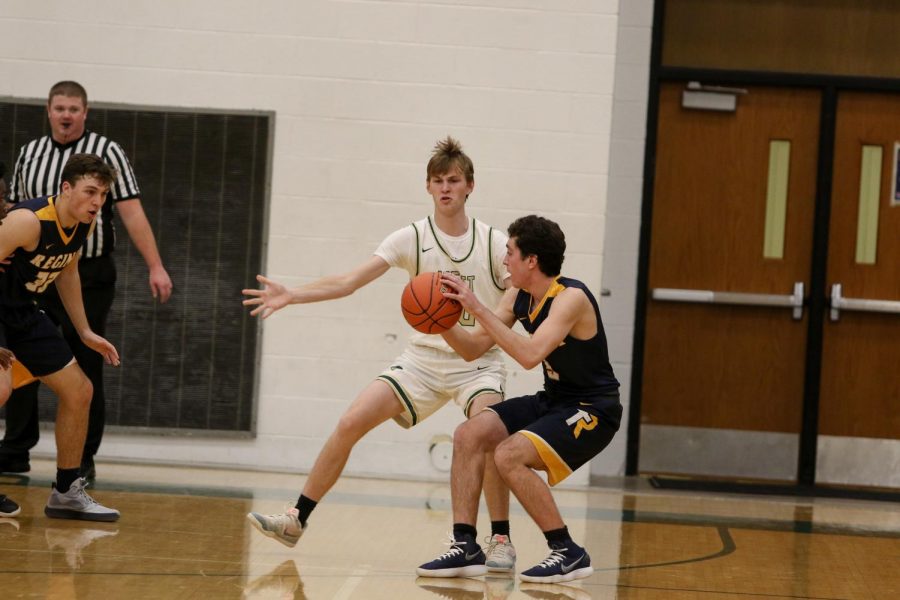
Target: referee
[[37, 173]]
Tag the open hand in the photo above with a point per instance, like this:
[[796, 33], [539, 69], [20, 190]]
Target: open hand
[[272, 297]]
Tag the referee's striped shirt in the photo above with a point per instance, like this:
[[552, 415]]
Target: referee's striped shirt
[[39, 168]]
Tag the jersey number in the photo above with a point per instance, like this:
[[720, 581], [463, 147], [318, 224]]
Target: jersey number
[[41, 281]]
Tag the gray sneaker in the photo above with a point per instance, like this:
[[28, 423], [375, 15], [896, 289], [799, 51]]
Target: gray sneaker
[[284, 528], [500, 556], [77, 504]]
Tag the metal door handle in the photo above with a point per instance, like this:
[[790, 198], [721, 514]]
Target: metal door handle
[[794, 301], [839, 303]]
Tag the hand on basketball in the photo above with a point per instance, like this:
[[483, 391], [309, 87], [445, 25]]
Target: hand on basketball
[[272, 297], [6, 358], [102, 346], [456, 289]]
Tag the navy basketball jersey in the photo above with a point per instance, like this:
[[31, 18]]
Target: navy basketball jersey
[[32, 272], [575, 368]]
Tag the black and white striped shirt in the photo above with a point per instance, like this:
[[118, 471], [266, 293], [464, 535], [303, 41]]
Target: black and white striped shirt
[[39, 168]]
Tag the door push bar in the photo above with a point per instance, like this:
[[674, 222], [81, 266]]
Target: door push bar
[[839, 303], [794, 301]]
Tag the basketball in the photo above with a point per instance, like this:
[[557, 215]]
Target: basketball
[[425, 307]]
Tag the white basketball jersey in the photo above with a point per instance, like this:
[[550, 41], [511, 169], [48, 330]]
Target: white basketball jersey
[[476, 257]]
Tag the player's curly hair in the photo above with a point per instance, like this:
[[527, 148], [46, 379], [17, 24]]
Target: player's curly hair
[[447, 155], [542, 238]]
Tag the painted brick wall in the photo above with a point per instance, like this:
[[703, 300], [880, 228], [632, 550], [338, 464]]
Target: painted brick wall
[[361, 91]]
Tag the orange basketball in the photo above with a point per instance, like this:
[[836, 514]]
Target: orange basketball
[[425, 307]]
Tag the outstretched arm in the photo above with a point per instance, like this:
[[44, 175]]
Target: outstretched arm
[[274, 296]]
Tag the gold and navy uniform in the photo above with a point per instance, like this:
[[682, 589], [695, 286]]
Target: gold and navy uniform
[[578, 412], [577, 367], [32, 272], [24, 329]]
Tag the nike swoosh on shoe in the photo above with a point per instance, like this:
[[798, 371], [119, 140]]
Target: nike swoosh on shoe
[[567, 568]]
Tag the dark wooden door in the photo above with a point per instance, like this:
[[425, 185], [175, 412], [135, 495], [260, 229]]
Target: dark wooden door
[[732, 222], [859, 402]]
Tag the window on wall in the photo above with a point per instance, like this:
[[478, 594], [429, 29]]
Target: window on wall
[[190, 364]]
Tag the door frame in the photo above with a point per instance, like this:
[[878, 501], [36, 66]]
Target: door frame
[[816, 304]]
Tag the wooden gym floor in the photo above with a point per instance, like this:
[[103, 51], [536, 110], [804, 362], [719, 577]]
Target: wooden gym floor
[[183, 535]]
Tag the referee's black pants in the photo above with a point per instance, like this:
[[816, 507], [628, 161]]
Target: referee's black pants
[[98, 288]]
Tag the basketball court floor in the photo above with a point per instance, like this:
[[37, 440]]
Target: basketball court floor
[[183, 534]]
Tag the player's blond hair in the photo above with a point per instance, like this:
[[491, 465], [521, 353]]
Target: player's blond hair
[[447, 155]]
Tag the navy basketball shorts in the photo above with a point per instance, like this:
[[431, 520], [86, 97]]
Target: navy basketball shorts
[[39, 348], [567, 433]]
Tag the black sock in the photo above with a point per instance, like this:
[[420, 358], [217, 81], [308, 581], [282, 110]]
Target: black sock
[[500, 528], [65, 478], [557, 538], [461, 530], [305, 506]]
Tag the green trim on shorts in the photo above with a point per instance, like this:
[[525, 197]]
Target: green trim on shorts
[[398, 391], [477, 393]]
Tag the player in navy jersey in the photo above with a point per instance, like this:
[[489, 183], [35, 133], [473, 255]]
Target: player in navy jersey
[[556, 430], [37, 173], [43, 236]]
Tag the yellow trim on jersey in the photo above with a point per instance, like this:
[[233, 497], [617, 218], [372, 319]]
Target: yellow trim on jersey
[[557, 469], [48, 213], [555, 288]]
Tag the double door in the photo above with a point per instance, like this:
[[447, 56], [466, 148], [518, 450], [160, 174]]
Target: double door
[[735, 373]]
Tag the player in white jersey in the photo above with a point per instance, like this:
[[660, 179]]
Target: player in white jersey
[[428, 373]]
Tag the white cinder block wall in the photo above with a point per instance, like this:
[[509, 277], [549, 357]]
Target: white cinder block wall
[[623, 207], [361, 90]]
